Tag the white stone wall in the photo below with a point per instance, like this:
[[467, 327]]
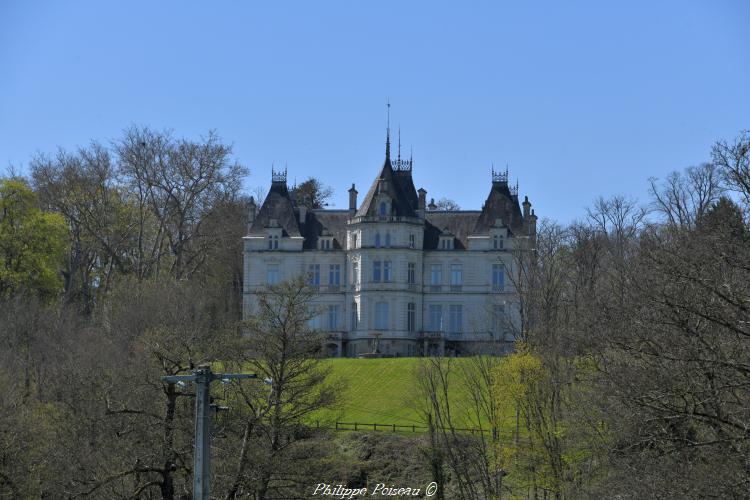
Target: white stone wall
[[475, 294]]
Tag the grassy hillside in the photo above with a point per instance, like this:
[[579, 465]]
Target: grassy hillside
[[386, 391]]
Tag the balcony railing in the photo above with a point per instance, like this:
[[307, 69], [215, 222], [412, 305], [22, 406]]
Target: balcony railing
[[385, 218], [436, 288]]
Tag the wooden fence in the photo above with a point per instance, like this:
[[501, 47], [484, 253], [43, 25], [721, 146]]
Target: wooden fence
[[363, 426]]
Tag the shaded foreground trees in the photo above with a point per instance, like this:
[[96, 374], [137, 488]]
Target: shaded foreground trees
[[91, 414]]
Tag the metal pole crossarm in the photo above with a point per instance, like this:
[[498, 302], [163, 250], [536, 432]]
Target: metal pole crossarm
[[203, 376], [228, 376], [178, 378]]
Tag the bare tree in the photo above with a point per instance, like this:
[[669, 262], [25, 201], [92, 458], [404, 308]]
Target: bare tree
[[683, 198], [176, 183], [284, 351], [447, 204], [733, 161], [311, 193]]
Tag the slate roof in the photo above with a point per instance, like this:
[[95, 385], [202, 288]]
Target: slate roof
[[500, 204], [394, 188], [460, 223], [277, 205], [403, 177], [320, 222]]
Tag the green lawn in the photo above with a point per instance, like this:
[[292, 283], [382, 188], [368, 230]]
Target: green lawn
[[387, 391]]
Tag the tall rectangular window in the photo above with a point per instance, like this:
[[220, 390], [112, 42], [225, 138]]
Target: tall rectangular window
[[436, 318], [498, 277], [334, 274], [411, 317], [313, 272], [412, 241], [354, 240], [411, 273], [376, 271], [333, 317], [456, 275], [387, 271], [272, 274], [355, 316], [456, 318], [436, 274], [381, 315], [355, 273]]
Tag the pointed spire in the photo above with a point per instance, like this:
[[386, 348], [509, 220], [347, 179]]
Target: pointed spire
[[388, 132]]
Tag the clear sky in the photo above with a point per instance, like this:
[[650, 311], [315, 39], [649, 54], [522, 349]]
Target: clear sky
[[580, 99]]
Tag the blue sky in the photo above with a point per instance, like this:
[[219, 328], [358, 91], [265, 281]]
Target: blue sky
[[580, 99]]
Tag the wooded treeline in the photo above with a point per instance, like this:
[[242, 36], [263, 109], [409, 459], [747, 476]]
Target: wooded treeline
[[122, 263]]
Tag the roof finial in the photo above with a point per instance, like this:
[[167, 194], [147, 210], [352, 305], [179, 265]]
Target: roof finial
[[388, 131], [399, 143]]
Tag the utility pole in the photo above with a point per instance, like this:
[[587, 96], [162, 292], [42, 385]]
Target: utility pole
[[202, 377]]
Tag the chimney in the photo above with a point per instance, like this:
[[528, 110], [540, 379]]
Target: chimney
[[432, 205], [302, 214], [353, 199], [532, 225], [251, 212], [526, 207]]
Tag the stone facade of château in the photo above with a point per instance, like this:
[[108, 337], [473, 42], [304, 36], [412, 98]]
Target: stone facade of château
[[396, 276]]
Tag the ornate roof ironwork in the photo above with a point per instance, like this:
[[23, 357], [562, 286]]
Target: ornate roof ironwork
[[500, 176], [402, 165], [278, 175]]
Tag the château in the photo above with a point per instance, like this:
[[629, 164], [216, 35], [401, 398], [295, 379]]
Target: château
[[396, 276]]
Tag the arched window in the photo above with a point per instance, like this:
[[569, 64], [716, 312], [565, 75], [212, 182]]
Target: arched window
[[387, 239], [377, 240]]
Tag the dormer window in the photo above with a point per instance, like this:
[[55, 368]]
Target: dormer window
[[383, 209], [273, 242], [498, 242], [377, 240], [446, 243], [325, 244]]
